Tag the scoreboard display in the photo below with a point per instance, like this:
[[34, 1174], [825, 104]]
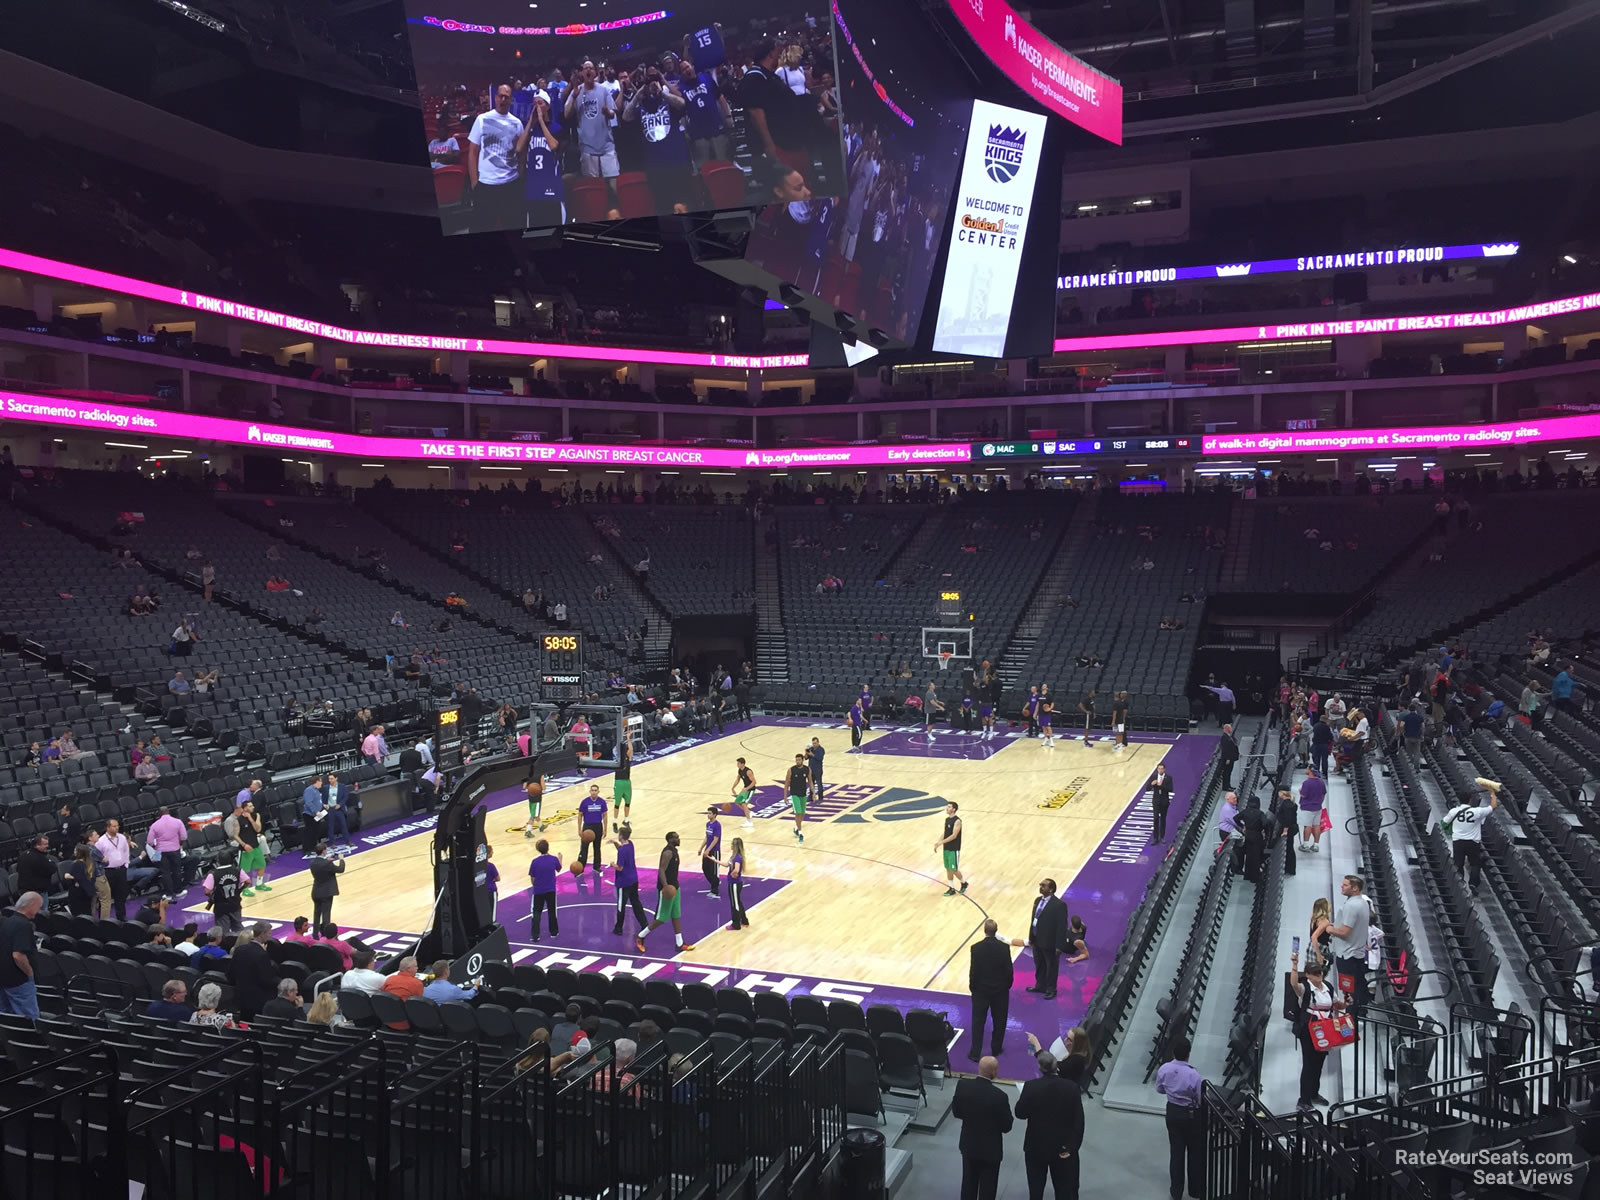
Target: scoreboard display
[[949, 603], [561, 671], [447, 737]]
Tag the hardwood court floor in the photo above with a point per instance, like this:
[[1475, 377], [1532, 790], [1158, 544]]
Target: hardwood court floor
[[866, 901]]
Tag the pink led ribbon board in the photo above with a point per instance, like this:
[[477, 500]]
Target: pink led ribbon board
[[124, 421], [1423, 437], [234, 310], [1434, 323]]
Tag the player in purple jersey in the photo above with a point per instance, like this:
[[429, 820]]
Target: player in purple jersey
[[986, 717], [856, 725], [627, 879], [1030, 710], [1047, 716]]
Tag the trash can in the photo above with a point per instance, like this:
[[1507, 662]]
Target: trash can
[[864, 1152]]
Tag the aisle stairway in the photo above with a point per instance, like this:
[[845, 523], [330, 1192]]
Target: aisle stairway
[[1241, 532], [772, 648], [1055, 582]]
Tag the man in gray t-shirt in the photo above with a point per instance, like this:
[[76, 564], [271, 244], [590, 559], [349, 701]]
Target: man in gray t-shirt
[[590, 109], [1350, 937]]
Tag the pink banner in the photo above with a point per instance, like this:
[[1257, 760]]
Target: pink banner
[[51, 269], [1050, 76], [127, 422], [1328, 329], [1386, 441]]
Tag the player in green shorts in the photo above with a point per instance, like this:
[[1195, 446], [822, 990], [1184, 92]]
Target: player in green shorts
[[622, 783], [669, 905], [798, 781], [950, 843], [743, 786], [535, 790]]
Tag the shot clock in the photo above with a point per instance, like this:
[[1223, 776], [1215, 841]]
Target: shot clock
[[447, 737], [561, 676], [949, 603]]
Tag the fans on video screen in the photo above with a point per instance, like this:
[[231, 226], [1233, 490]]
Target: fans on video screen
[[714, 120]]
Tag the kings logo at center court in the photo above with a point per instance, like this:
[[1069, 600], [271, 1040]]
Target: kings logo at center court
[[1003, 153], [848, 802]]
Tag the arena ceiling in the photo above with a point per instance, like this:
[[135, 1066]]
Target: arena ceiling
[[1225, 76]]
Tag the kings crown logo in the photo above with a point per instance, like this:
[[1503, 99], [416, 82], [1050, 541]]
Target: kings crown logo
[[1002, 153]]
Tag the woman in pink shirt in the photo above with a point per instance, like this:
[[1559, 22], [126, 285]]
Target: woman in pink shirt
[[330, 937]]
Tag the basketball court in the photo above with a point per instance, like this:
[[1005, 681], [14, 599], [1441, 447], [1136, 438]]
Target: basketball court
[[858, 911]]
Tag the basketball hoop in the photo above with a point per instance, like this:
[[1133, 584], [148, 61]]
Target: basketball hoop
[[944, 660]]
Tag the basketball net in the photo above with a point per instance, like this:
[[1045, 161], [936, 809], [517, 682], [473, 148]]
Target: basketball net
[[944, 660]]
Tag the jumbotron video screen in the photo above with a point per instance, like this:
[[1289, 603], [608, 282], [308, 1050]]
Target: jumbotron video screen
[[539, 116]]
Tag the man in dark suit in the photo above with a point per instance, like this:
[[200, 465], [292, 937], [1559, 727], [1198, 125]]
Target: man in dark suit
[[985, 1117], [255, 976], [1047, 934], [1229, 750], [989, 980], [1053, 1108], [325, 874]]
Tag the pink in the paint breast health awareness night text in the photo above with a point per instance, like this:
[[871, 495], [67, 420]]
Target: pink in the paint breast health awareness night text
[[1327, 329], [198, 302]]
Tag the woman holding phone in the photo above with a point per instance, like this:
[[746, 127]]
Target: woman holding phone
[[1316, 1001]]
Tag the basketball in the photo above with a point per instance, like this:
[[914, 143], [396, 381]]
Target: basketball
[[588, 836], [576, 868]]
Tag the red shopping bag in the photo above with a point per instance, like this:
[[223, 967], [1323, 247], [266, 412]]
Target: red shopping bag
[[1327, 821], [1329, 1032]]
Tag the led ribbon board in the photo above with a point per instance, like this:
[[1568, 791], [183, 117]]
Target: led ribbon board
[[1062, 82], [1353, 260]]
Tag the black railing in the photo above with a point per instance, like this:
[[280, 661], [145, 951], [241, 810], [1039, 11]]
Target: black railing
[[59, 1126], [342, 1115]]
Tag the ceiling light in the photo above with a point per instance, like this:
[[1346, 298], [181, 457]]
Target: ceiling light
[[1479, 454], [431, 466], [1139, 203], [129, 445], [499, 468], [558, 470], [1567, 258], [371, 464], [615, 471], [1087, 207]]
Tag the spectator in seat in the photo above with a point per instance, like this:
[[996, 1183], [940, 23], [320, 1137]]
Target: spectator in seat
[[360, 976], [287, 1004], [213, 947], [172, 1006], [146, 771], [441, 991], [183, 639], [277, 583], [324, 1010], [178, 685], [404, 983], [206, 1009], [302, 932], [328, 935], [445, 150]]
